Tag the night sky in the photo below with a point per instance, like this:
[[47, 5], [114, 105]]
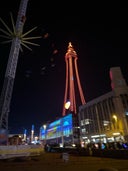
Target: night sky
[[98, 32]]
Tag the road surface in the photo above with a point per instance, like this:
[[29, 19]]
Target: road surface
[[56, 162]]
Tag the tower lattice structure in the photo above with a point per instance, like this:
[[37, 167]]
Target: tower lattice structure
[[7, 90], [73, 85]]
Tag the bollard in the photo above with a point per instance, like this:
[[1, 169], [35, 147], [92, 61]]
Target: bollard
[[65, 157]]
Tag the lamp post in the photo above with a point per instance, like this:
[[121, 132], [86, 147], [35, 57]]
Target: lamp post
[[32, 134], [25, 135]]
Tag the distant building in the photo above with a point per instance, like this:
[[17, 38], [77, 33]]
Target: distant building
[[15, 139], [105, 119]]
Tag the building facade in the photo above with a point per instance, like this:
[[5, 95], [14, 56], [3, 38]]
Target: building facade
[[61, 132], [105, 119]]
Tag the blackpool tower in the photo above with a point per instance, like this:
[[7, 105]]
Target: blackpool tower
[[73, 89]]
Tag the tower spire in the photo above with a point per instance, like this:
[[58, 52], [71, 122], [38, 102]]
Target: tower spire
[[73, 85]]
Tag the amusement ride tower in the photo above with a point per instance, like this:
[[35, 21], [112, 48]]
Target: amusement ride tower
[[17, 38], [72, 82]]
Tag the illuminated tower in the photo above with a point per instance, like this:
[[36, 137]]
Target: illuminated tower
[[73, 85], [25, 135]]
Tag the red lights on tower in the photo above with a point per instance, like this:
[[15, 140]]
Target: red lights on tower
[[72, 81]]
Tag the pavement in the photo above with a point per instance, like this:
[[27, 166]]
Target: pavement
[[58, 162]]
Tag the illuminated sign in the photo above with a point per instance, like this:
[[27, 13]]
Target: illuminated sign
[[62, 126]]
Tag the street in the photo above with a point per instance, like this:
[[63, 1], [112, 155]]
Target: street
[[55, 162]]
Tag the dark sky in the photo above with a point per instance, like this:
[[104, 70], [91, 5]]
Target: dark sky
[[98, 32]]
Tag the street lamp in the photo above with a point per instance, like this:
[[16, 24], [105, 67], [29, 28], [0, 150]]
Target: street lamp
[[115, 121], [115, 118]]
